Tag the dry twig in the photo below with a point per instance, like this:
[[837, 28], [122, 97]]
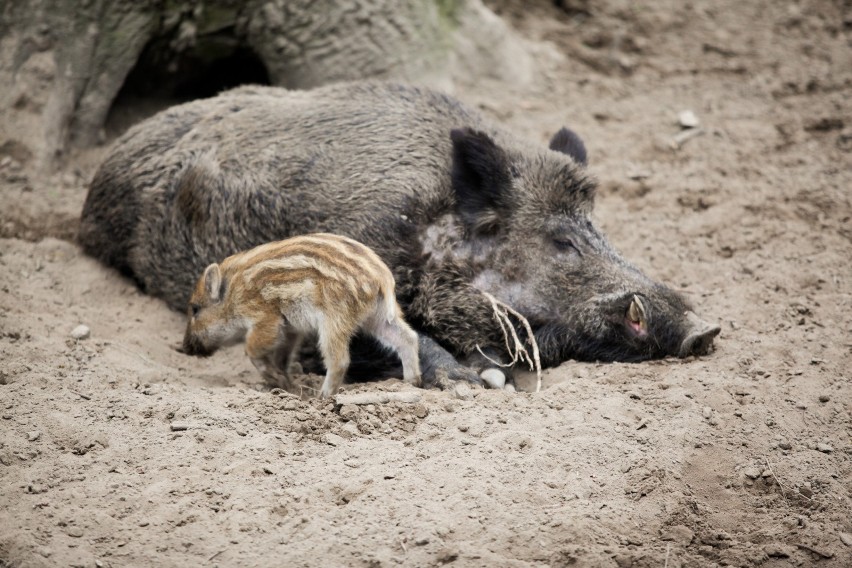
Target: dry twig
[[516, 350]]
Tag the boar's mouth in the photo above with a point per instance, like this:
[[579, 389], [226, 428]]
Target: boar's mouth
[[699, 337]]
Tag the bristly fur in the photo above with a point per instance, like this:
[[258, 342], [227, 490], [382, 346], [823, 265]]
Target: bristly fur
[[455, 204], [276, 294]]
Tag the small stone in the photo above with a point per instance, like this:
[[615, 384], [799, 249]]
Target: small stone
[[179, 426], [845, 538], [688, 119], [785, 445], [494, 378], [81, 332], [447, 555], [144, 523], [333, 439], [707, 412], [33, 436], [348, 411], [824, 448], [824, 398], [679, 534], [75, 532], [352, 462], [424, 540], [776, 550], [463, 427], [462, 392], [752, 472]]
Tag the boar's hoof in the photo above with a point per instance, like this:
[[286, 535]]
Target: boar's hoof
[[699, 339], [444, 377], [440, 369]]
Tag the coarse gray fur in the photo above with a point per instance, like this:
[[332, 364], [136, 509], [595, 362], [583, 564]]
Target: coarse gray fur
[[454, 204]]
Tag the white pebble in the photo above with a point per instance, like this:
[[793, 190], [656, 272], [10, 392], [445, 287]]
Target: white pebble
[[80, 332], [494, 378], [687, 119]]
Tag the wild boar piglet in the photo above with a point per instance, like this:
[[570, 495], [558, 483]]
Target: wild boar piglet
[[275, 295]]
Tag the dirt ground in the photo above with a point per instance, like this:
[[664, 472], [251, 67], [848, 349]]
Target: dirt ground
[[115, 450]]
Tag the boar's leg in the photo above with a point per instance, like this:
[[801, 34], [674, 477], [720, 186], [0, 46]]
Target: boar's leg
[[438, 366], [493, 375]]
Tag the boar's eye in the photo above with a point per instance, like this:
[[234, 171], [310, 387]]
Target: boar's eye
[[194, 308], [564, 244]]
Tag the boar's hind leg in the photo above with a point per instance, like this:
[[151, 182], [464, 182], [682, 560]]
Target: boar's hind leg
[[438, 366]]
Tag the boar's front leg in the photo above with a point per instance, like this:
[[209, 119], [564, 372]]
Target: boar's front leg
[[455, 313], [496, 376], [435, 361]]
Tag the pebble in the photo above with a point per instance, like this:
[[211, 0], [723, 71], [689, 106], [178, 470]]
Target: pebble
[[824, 398], [75, 532], [333, 439], [422, 540], [687, 119], [779, 550], [707, 412], [179, 426], [33, 436], [825, 448], [679, 534], [845, 538], [462, 392], [494, 378], [785, 445], [447, 555], [81, 332], [752, 472], [348, 411]]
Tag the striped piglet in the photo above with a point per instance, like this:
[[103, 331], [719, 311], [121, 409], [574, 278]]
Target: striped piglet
[[275, 294]]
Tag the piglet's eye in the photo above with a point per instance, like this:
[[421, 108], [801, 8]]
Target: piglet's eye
[[194, 308]]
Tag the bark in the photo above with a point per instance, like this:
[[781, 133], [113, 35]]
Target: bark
[[64, 62]]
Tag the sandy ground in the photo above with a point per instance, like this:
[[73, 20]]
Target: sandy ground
[[115, 450]]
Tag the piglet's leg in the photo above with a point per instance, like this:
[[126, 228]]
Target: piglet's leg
[[398, 336], [334, 346], [261, 346]]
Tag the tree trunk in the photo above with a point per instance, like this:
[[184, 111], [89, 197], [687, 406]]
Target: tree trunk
[[64, 63]]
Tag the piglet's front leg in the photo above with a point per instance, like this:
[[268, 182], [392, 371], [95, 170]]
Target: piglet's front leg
[[268, 353]]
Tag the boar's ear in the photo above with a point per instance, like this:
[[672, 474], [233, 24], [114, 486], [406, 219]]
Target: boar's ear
[[567, 142], [481, 179], [213, 282]]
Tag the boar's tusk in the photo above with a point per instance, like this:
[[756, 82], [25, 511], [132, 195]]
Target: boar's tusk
[[699, 339]]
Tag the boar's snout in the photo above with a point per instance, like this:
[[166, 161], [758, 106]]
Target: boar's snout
[[699, 337], [192, 345]]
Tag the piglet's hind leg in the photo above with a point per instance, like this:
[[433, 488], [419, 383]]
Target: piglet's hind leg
[[398, 336], [335, 354]]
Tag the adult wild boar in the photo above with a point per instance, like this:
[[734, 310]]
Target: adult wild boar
[[453, 203]]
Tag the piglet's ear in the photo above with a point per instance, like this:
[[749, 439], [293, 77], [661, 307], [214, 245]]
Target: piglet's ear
[[567, 142], [481, 180], [213, 282]]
